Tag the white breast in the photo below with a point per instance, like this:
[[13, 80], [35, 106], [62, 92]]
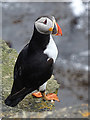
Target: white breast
[[51, 49]]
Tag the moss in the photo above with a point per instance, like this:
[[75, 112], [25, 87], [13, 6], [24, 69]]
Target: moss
[[8, 60]]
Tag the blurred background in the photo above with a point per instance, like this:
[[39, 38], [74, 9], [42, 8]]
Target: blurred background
[[71, 68]]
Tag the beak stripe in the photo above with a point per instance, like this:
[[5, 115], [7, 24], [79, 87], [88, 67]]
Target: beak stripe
[[54, 29], [59, 30]]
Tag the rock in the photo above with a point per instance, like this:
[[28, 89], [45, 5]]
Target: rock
[[77, 111], [29, 103]]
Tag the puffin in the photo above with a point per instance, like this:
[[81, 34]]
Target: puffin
[[35, 62]]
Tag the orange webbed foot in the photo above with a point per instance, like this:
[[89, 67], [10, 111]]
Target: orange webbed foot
[[37, 94], [52, 96]]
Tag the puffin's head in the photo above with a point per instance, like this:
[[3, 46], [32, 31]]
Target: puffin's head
[[48, 25]]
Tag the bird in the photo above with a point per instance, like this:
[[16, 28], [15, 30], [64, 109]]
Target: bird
[[34, 64]]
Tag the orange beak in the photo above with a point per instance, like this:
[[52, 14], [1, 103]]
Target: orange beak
[[59, 30]]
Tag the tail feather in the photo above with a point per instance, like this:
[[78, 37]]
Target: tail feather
[[13, 100]]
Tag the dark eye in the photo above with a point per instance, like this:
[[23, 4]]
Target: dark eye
[[45, 22]]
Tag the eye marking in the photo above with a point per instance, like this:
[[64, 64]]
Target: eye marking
[[45, 22]]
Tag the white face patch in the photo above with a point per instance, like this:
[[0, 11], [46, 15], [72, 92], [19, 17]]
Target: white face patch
[[43, 28], [51, 49]]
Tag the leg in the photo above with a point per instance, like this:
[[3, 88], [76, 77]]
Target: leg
[[50, 96], [42, 88]]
